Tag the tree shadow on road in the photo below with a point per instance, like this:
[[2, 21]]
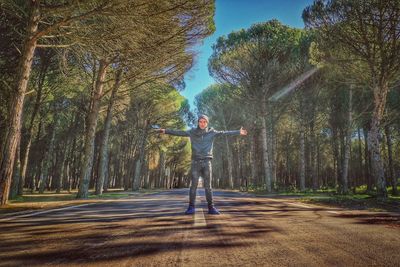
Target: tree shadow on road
[[391, 220], [114, 231]]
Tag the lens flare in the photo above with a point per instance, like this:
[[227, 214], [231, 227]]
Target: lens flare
[[293, 85]]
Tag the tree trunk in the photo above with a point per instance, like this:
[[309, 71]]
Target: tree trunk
[[14, 125], [37, 169], [16, 180], [229, 157], [106, 132], [286, 168], [108, 174], [229, 162], [336, 155], [147, 173], [318, 162], [313, 156], [347, 146], [124, 152], [67, 183], [302, 161], [48, 159], [69, 155], [367, 168], [271, 146], [373, 141], [62, 174], [87, 162], [59, 172], [266, 160], [161, 171], [253, 159], [128, 168], [137, 175], [360, 157], [390, 159], [239, 166], [139, 162], [44, 64]]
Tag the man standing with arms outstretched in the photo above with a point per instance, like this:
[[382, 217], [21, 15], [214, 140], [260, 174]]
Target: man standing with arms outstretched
[[202, 139]]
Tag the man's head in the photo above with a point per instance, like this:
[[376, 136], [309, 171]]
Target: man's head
[[202, 121]]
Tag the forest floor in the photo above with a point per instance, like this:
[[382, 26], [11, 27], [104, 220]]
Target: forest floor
[[151, 229]]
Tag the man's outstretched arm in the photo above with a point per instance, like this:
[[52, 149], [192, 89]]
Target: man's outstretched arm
[[242, 131], [174, 132]]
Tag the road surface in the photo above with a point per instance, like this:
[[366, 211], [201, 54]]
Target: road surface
[[152, 230]]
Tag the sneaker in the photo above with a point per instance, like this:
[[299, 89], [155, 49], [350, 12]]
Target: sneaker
[[190, 210], [213, 210]]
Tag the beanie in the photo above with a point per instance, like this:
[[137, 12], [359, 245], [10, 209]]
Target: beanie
[[203, 117]]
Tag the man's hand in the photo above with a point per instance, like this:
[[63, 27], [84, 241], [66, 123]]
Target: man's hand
[[243, 131], [162, 131]]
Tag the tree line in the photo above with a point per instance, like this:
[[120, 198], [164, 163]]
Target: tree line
[[322, 103], [83, 81]]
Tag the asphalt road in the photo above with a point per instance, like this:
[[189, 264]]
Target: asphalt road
[[152, 230]]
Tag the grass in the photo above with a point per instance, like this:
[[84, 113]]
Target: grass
[[45, 197], [68, 196], [358, 199], [34, 201]]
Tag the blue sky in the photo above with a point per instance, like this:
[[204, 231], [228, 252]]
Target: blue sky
[[233, 15]]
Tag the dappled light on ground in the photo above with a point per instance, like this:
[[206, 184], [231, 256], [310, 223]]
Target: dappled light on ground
[[153, 230]]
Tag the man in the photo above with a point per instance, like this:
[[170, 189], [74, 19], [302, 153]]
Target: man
[[202, 139]]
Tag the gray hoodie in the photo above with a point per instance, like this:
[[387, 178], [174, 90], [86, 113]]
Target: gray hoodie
[[201, 140]]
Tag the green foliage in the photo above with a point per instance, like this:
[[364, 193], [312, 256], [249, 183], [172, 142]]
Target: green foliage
[[352, 37], [251, 64], [260, 59], [151, 43]]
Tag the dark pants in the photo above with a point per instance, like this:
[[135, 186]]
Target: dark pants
[[201, 168]]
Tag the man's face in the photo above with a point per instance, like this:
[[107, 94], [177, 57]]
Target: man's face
[[203, 124]]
